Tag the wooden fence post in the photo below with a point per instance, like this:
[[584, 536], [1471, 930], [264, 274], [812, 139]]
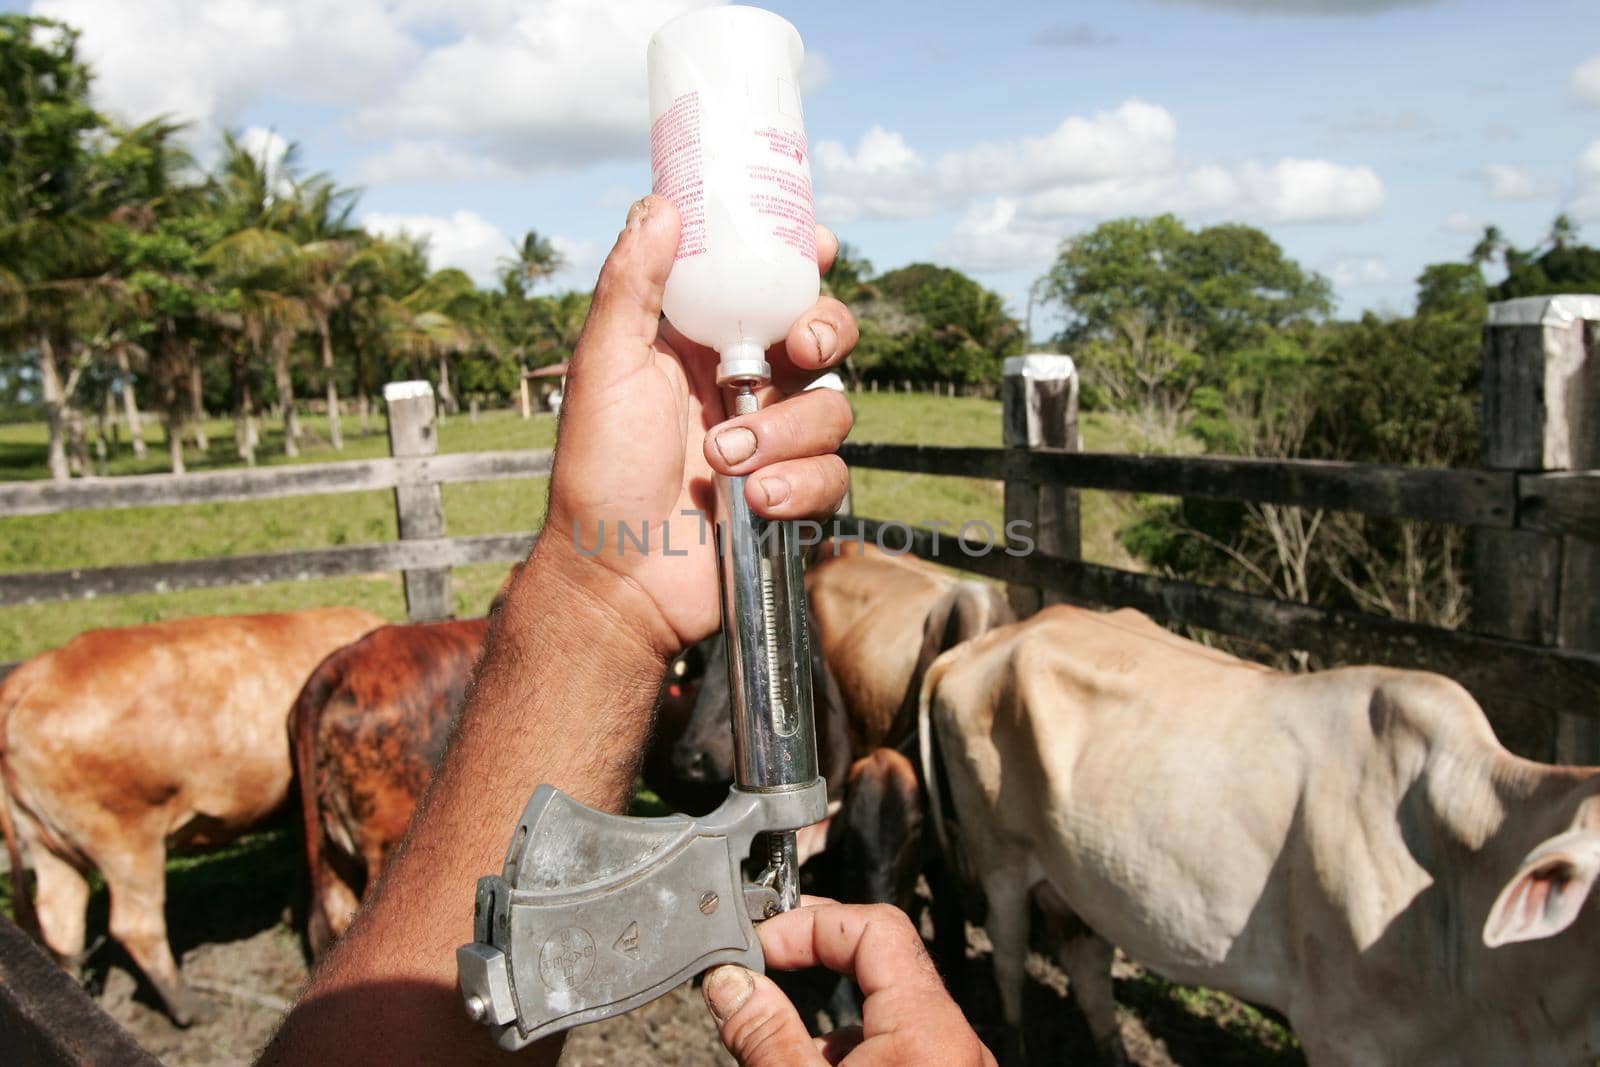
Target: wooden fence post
[[1039, 410], [1541, 412], [420, 508]]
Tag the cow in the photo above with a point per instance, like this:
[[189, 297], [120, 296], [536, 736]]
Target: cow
[[876, 621], [878, 845], [1329, 844], [368, 730], [702, 755], [123, 743]]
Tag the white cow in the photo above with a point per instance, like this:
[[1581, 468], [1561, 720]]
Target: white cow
[[1328, 844]]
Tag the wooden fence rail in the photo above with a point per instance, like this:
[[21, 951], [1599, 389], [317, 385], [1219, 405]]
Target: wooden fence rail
[[1495, 670], [431, 554], [265, 483], [1567, 503]]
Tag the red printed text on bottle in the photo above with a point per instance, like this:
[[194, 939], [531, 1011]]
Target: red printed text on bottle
[[676, 163]]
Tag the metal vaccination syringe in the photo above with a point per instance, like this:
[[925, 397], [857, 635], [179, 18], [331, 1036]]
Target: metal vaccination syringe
[[595, 914]]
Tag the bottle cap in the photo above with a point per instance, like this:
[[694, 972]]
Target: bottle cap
[[743, 361]]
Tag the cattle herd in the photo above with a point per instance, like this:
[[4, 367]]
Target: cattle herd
[[1352, 848]]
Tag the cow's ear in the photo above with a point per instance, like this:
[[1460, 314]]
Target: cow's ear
[[1548, 893]]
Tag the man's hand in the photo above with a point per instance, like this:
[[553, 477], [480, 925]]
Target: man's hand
[[908, 1019], [635, 447]]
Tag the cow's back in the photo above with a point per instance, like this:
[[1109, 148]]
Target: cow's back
[[181, 719], [870, 608]]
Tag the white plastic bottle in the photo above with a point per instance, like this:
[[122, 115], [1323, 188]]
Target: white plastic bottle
[[728, 147]]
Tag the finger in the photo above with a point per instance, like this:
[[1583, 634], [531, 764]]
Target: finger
[[626, 311], [756, 1021], [827, 248], [839, 1044], [807, 424], [875, 944], [809, 488], [819, 339]]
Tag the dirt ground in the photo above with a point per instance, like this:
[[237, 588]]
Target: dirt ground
[[230, 917], [248, 984]]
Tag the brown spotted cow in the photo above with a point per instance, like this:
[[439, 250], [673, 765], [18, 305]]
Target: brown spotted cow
[[124, 743], [370, 727]]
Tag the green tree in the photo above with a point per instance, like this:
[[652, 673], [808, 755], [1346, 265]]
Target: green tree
[[52, 216], [937, 324], [1155, 310]]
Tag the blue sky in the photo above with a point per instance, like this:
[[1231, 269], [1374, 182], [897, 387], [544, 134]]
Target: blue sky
[[1368, 137]]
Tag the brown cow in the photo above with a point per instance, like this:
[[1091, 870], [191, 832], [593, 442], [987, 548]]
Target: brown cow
[[883, 618], [877, 621], [368, 730], [123, 743]]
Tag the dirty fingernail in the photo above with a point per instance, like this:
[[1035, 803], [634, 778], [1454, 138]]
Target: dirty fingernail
[[736, 445], [726, 990], [827, 339], [638, 213], [777, 490]]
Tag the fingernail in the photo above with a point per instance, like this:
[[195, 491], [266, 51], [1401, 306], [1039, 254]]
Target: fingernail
[[736, 445], [777, 490], [638, 213], [726, 990], [827, 339]]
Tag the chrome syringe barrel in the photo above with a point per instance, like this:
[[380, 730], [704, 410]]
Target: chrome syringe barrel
[[769, 657]]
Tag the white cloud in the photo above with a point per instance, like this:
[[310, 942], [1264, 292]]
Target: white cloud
[[465, 240], [1585, 84], [1354, 271], [1021, 196], [1511, 181], [509, 86], [1585, 203], [1461, 222], [885, 178], [429, 161], [206, 61], [268, 148], [993, 237], [538, 85]]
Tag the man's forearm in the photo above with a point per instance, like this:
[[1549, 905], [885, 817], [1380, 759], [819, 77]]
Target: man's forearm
[[564, 695]]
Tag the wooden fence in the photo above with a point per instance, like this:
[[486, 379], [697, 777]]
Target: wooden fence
[[1534, 649], [1532, 657], [414, 471]]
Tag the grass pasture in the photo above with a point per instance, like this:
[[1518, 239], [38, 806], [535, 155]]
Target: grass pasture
[[147, 535]]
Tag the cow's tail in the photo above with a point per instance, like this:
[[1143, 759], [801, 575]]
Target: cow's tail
[[303, 719], [21, 892]]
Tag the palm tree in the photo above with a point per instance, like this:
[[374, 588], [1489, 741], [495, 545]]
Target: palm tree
[[1563, 231], [381, 271], [537, 259], [1488, 245]]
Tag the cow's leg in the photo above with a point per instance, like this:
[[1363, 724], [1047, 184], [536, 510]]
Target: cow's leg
[[137, 879], [1006, 891], [1086, 957], [62, 901]]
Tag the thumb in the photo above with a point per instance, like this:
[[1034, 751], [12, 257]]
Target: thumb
[[757, 1022], [626, 310]]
